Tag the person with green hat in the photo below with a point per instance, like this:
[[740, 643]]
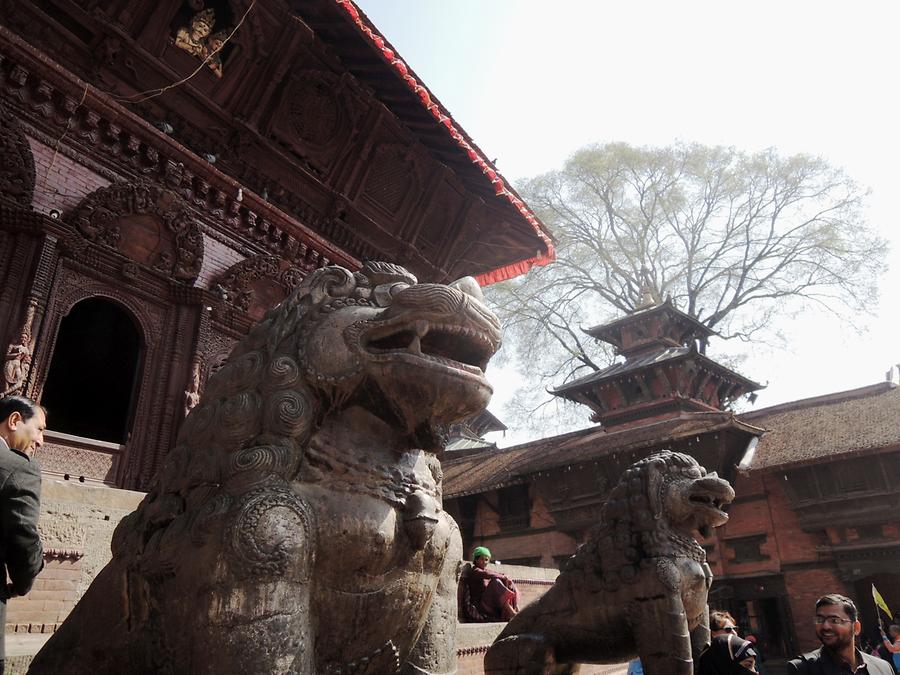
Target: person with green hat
[[491, 596]]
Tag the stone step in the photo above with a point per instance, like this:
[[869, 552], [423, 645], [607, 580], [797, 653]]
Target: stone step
[[477, 634], [20, 649]]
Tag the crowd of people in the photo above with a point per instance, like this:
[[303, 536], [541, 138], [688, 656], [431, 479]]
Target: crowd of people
[[837, 626], [487, 595]]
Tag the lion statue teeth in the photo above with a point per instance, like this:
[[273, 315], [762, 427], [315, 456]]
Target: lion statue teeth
[[637, 587], [297, 525]]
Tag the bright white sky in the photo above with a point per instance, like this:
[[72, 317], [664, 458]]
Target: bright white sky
[[531, 81]]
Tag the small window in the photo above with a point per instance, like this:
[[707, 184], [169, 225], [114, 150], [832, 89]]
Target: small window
[[852, 481], [748, 549], [869, 531], [828, 485], [514, 507], [801, 484]]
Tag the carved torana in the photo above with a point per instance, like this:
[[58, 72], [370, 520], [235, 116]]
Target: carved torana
[[257, 283], [173, 245]]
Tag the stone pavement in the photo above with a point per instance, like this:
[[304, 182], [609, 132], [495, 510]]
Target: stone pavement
[[20, 647]]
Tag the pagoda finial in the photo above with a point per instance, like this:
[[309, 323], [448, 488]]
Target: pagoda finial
[[648, 298]]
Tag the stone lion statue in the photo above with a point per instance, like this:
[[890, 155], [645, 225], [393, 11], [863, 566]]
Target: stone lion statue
[[297, 525], [637, 587]]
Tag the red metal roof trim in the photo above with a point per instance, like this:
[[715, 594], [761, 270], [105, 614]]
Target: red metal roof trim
[[474, 154]]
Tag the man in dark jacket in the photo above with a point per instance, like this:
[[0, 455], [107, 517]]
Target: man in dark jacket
[[837, 627], [21, 433]]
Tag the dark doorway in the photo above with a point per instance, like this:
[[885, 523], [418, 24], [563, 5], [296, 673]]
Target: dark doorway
[[91, 382]]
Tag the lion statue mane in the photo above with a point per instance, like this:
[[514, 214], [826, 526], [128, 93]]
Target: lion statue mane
[[636, 587], [297, 524]]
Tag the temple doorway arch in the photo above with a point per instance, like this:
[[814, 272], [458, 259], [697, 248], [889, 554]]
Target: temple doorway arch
[[91, 385]]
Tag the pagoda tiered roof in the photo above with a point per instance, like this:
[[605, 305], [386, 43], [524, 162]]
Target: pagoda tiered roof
[[663, 373]]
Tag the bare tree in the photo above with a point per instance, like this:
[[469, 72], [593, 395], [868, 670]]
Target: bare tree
[[734, 239]]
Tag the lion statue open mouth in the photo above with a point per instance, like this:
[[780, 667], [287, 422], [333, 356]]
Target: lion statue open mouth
[[297, 525], [637, 587]]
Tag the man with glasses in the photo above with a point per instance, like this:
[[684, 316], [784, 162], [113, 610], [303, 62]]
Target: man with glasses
[[837, 625]]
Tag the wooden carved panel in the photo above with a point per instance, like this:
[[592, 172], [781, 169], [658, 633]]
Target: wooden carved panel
[[316, 117], [438, 225], [389, 178], [147, 223], [17, 175], [258, 283], [79, 461], [313, 108]]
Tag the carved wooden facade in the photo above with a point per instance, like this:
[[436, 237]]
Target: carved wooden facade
[[192, 202]]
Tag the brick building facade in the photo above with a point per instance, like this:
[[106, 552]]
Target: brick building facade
[[815, 511], [817, 494]]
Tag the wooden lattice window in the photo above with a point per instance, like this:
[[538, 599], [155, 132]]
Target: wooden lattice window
[[852, 481], [748, 549], [801, 484], [870, 531], [514, 507]]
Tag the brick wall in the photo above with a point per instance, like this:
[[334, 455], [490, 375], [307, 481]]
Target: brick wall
[[76, 526], [546, 546], [55, 592], [60, 182], [217, 257], [804, 587]]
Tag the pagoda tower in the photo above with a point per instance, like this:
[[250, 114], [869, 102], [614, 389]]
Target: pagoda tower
[[664, 373]]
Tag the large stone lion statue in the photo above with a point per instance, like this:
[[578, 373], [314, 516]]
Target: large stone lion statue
[[637, 587], [297, 526]]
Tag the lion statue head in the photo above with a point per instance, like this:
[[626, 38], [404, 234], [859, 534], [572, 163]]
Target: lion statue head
[[411, 354], [654, 511]]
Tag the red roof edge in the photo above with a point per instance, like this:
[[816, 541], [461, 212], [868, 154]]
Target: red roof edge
[[442, 116]]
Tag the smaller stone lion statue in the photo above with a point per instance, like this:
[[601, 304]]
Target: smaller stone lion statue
[[637, 587]]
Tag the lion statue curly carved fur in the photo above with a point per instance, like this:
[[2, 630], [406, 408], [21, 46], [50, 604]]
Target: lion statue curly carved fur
[[637, 587], [297, 526]]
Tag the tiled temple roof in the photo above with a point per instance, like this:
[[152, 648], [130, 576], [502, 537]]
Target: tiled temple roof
[[495, 468], [827, 427], [462, 141], [801, 432]]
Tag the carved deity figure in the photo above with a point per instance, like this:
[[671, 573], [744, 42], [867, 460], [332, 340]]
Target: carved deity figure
[[637, 587], [193, 40], [214, 51], [297, 525], [15, 368], [200, 41], [192, 393], [18, 357]]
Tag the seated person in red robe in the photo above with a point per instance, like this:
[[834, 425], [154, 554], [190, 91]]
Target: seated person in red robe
[[485, 595]]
